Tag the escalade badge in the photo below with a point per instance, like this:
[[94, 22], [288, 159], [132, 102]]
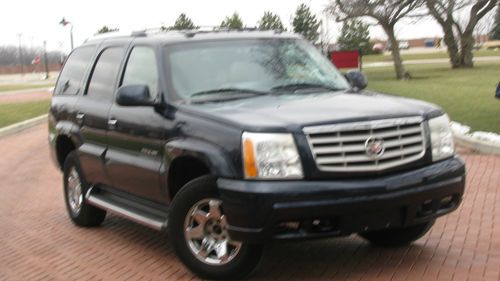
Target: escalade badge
[[374, 147]]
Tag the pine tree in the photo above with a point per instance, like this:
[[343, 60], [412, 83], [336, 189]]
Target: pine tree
[[106, 29], [355, 35], [233, 22], [270, 21], [183, 22], [305, 23], [495, 32]]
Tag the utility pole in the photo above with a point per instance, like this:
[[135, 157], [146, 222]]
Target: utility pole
[[45, 61], [21, 59]]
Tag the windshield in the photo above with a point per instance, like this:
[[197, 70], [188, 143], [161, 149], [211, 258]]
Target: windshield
[[245, 67]]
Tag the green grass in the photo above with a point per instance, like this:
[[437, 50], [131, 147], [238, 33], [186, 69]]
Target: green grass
[[11, 113], [15, 87], [467, 95], [420, 56]]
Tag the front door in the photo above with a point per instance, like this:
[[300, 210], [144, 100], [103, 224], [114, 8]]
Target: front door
[[135, 141]]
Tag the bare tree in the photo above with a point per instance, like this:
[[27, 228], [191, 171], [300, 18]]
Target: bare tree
[[386, 12], [459, 33]]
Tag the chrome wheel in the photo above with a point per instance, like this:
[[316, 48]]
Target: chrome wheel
[[205, 231], [74, 192]]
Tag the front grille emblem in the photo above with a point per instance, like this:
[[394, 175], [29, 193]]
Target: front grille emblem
[[374, 147]]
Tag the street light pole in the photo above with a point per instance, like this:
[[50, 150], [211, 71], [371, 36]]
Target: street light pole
[[45, 61], [64, 22], [21, 59]]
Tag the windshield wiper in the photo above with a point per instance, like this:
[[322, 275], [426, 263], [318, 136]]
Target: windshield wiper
[[229, 90], [300, 86]]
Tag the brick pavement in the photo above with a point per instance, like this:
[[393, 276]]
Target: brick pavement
[[38, 241]]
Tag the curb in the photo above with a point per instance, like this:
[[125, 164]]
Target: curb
[[17, 127]]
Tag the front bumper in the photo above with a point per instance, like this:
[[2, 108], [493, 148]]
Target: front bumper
[[258, 211]]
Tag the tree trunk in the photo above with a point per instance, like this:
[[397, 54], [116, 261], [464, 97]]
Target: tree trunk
[[396, 56], [451, 45], [466, 45]]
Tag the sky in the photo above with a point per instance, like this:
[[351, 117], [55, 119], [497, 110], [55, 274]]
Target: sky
[[37, 20]]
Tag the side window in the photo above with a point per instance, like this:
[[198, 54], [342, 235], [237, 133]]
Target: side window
[[70, 80], [102, 82], [142, 69]]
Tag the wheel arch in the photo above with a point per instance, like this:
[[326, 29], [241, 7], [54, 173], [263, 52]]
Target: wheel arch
[[188, 159]]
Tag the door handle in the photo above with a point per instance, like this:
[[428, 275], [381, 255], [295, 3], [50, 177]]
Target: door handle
[[79, 117], [112, 123]]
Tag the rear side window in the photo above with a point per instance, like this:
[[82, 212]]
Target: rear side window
[[70, 80], [103, 80], [142, 69]]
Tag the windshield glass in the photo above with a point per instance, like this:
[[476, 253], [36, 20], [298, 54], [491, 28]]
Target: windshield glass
[[259, 65]]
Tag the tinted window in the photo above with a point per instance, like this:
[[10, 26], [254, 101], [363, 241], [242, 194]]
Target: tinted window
[[102, 82], [141, 69], [70, 80]]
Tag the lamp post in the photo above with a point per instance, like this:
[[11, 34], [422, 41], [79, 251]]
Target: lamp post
[[64, 22], [21, 59]]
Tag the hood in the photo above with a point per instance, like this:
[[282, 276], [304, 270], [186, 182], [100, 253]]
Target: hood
[[294, 111]]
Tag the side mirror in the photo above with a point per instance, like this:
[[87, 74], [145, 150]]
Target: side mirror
[[134, 95], [357, 79]]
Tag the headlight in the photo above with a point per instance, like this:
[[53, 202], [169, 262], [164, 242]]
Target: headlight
[[441, 138], [270, 156]]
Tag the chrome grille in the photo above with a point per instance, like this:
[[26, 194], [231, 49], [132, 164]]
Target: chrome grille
[[343, 147]]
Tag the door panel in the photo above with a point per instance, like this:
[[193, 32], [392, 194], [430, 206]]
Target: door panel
[[135, 149], [135, 140], [92, 114]]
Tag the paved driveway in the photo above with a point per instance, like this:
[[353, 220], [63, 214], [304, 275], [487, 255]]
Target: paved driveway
[[38, 242]]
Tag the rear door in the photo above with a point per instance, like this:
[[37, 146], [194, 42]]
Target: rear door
[[92, 113], [136, 139]]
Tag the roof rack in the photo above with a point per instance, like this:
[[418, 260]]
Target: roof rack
[[187, 32]]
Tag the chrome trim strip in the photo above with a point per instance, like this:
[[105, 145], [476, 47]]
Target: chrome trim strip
[[363, 125]]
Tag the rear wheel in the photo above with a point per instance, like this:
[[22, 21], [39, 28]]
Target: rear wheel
[[198, 229], [397, 237], [75, 187]]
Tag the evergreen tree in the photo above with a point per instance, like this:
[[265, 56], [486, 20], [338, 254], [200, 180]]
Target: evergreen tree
[[183, 22], [355, 35], [233, 22], [106, 29], [305, 23], [270, 21], [495, 32]]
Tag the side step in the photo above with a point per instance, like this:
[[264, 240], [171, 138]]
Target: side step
[[133, 210]]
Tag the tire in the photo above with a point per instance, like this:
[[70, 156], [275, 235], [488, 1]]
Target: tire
[[199, 196], [81, 213], [397, 237]]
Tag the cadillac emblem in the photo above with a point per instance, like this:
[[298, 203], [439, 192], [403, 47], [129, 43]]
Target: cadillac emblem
[[374, 147]]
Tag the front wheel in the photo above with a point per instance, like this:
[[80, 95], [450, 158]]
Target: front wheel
[[397, 237], [198, 230]]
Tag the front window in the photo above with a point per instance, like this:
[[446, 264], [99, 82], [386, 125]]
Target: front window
[[263, 66]]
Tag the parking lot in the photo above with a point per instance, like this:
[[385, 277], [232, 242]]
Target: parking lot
[[38, 241]]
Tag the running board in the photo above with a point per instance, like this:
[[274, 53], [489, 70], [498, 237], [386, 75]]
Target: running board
[[134, 211]]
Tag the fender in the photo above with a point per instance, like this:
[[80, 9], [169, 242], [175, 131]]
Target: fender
[[214, 157]]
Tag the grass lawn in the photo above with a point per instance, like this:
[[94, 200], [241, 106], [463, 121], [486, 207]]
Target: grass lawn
[[466, 94], [435, 55], [15, 87], [16, 112]]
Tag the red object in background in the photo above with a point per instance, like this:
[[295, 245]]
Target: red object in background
[[345, 59], [36, 60]]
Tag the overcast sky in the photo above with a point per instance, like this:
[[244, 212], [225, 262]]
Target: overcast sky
[[37, 20]]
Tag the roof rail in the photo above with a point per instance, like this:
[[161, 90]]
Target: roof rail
[[186, 32]]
